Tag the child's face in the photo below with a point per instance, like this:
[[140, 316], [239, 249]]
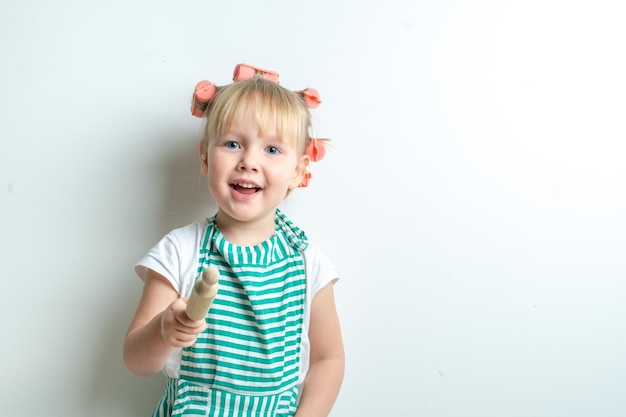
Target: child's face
[[249, 175]]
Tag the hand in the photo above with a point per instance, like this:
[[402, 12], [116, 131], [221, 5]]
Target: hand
[[177, 329]]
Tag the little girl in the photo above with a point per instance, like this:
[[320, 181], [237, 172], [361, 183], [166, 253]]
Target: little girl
[[271, 343]]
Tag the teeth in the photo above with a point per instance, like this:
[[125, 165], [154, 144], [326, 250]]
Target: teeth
[[246, 185]]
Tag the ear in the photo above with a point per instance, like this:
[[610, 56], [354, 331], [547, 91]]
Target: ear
[[301, 169], [204, 165]]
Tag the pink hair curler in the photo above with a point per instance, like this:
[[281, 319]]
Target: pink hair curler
[[204, 92], [316, 150], [245, 72], [311, 97], [305, 180]]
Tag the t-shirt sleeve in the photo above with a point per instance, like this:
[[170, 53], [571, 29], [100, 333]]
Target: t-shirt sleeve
[[164, 258], [175, 257], [320, 270]]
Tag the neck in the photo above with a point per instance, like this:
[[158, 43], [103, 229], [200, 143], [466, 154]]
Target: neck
[[245, 233]]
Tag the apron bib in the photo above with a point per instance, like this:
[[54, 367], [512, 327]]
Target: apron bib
[[246, 363]]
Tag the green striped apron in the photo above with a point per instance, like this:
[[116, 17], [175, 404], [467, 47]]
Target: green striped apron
[[247, 361]]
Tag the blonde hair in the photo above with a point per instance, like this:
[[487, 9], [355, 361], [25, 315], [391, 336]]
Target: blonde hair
[[274, 107]]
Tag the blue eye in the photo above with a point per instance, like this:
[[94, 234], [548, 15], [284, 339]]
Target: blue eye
[[231, 144], [273, 150]]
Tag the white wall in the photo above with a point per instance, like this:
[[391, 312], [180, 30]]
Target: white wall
[[473, 199]]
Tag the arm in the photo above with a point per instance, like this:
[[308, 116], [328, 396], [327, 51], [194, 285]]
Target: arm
[[160, 324], [325, 376]]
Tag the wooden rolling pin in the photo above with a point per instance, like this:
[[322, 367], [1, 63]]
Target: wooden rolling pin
[[203, 294]]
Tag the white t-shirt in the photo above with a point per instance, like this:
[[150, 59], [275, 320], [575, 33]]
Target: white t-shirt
[[176, 258]]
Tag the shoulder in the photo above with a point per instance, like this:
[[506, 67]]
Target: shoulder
[[176, 252], [314, 254], [192, 232], [181, 241], [319, 268]]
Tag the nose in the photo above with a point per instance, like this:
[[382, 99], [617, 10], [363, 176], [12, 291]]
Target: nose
[[249, 161]]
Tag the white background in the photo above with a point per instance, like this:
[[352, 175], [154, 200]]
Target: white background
[[473, 198]]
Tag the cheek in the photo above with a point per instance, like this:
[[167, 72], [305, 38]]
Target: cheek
[[215, 162], [286, 170], [214, 170]]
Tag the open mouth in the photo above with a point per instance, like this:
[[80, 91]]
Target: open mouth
[[245, 188]]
